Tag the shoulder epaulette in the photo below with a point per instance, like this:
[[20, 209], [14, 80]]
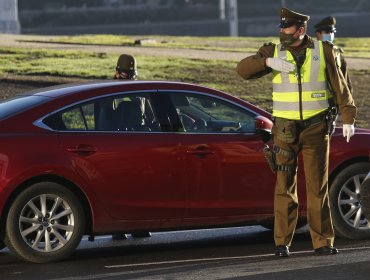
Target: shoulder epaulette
[[338, 49]]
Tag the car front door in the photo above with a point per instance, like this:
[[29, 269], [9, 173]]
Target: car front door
[[225, 170]]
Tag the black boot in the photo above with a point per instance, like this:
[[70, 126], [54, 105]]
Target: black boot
[[326, 250], [119, 236], [282, 251], [141, 234]]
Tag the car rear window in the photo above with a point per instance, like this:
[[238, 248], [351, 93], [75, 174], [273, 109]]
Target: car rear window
[[19, 103]]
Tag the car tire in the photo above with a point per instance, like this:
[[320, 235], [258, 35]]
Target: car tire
[[365, 196], [344, 195], [45, 223]]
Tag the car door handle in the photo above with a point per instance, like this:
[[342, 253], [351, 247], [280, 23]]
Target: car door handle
[[82, 149], [200, 151]]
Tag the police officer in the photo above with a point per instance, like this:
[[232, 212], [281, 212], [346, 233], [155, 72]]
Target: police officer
[[325, 31], [301, 69], [126, 68]]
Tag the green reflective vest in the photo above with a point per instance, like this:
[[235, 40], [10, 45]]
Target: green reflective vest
[[301, 92]]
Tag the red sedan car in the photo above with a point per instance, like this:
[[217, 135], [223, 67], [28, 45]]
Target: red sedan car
[[108, 157]]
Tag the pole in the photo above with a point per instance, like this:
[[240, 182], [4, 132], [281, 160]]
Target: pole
[[9, 22], [233, 17], [222, 14]]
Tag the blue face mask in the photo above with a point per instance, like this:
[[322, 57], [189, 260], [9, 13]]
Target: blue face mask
[[328, 37]]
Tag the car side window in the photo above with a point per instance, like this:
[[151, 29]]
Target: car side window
[[118, 113], [205, 114]]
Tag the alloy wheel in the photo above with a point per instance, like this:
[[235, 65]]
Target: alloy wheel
[[46, 223]]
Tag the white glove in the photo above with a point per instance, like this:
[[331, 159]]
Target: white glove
[[279, 64], [348, 131]]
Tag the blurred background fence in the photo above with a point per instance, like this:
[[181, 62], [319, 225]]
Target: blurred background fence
[[182, 17]]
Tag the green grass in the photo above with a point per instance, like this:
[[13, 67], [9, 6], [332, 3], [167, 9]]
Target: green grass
[[218, 74], [354, 47], [55, 63]]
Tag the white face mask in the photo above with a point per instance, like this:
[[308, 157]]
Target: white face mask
[[328, 37]]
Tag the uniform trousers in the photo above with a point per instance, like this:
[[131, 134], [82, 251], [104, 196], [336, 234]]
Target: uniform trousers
[[313, 143]]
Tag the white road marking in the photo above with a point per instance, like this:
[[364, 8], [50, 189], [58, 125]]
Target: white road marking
[[219, 259]]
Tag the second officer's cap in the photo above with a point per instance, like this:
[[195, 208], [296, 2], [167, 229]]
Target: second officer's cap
[[289, 18], [327, 24], [126, 62]]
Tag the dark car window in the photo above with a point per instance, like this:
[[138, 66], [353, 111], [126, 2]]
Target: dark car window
[[119, 113], [205, 114], [18, 104]]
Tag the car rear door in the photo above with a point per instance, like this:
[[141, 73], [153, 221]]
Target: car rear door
[[134, 167]]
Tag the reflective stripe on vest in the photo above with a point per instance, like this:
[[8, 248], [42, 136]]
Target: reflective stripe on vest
[[314, 93]]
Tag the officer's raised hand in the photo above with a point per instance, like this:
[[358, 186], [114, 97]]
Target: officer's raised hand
[[348, 131], [279, 64]]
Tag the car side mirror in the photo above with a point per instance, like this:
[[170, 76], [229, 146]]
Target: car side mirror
[[263, 127]]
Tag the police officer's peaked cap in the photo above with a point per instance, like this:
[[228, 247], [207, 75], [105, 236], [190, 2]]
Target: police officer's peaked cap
[[126, 62], [327, 24], [289, 18]]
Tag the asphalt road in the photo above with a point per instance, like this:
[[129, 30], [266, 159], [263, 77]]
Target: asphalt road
[[237, 253]]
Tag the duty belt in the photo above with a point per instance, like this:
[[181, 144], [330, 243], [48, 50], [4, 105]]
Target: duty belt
[[313, 120]]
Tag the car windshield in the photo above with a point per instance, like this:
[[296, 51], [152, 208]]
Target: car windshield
[[19, 103]]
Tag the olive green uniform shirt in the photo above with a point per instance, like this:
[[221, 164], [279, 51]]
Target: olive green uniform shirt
[[342, 63], [254, 67]]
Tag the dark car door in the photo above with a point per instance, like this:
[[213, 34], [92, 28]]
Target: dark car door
[[225, 170], [121, 150]]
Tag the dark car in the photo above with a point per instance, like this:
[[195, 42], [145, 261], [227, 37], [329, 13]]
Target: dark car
[[108, 157]]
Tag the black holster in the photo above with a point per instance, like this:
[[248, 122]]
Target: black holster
[[270, 157], [331, 118]]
